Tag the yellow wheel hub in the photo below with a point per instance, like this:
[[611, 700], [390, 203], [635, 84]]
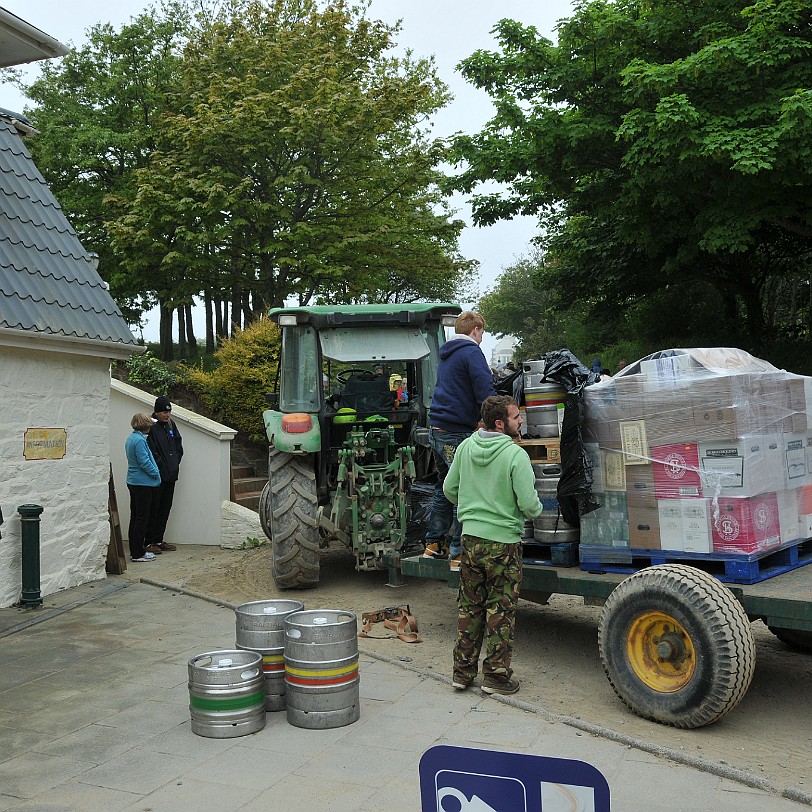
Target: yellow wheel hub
[[660, 652]]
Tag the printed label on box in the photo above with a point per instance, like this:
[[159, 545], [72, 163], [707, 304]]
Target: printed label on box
[[614, 471], [633, 441]]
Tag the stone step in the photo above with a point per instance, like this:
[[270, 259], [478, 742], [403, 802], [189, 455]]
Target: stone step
[[242, 471], [249, 500], [249, 485]]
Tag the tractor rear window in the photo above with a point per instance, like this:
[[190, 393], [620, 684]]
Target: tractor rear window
[[300, 385]]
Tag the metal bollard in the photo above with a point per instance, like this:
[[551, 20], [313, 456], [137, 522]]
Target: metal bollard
[[29, 523]]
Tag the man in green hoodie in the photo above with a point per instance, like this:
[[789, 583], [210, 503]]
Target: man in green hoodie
[[491, 481]]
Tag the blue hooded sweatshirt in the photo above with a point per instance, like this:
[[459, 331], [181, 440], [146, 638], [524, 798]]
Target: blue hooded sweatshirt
[[464, 380]]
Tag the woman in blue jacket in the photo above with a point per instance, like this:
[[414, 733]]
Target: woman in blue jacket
[[143, 481]]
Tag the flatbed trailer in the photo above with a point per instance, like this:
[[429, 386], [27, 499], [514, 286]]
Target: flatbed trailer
[[675, 641]]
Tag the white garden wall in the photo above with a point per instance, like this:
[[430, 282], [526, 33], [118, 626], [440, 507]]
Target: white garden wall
[[205, 472]]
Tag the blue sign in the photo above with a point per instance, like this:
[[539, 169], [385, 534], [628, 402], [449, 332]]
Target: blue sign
[[461, 779]]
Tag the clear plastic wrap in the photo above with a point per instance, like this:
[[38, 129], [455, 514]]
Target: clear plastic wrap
[[711, 450]]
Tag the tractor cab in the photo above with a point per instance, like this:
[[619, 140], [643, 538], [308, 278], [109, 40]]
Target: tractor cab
[[354, 390]]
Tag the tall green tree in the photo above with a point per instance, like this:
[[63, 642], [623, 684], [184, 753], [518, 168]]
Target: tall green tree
[[663, 146], [96, 111], [296, 164]]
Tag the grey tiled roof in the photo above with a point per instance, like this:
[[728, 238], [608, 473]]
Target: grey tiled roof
[[48, 285]]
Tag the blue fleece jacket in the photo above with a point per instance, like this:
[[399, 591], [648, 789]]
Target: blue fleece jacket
[[464, 380], [492, 483], [141, 467]]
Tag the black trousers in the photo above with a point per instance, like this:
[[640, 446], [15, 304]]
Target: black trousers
[[160, 513], [142, 501]]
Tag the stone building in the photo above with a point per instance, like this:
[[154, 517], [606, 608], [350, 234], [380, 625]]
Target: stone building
[[59, 330]]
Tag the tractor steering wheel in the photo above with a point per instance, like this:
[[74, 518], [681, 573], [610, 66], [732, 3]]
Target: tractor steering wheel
[[344, 375]]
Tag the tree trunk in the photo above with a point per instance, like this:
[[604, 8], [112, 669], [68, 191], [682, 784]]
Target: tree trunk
[[191, 340], [209, 322], [247, 312], [236, 307], [165, 333], [219, 319], [181, 334]]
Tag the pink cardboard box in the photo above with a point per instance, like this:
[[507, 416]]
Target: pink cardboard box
[[676, 471], [746, 525]]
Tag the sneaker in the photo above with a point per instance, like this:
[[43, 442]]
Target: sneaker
[[145, 557], [460, 686], [454, 563], [165, 545], [509, 687], [153, 548], [434, 550]]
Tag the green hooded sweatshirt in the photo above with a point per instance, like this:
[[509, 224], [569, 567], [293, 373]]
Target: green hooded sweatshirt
[[492, 482]]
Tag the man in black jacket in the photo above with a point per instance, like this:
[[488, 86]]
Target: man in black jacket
[[165, 442]]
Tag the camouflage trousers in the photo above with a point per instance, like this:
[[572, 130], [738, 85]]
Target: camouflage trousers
[[490, 575]]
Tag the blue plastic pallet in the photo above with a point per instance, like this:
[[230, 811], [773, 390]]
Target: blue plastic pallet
[[732, 568], [550, 555]]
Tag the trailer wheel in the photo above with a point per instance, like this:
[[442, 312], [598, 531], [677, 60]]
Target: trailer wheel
[[798, 639], [676, 645], [287, 512]]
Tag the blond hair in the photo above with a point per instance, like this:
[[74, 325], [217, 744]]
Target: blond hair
[[141, 421], [467, 322]]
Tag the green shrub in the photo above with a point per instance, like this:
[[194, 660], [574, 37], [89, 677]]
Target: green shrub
[[235, 390], [152, 374]]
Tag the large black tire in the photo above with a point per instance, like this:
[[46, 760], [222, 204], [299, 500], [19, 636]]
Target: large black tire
[[794, 638], [676, 645], [287, 512]]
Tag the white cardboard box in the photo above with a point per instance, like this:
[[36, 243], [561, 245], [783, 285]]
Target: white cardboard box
[[743, 467]]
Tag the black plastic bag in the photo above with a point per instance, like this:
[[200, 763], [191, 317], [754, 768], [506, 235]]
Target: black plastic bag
[[421, 495], [575, 483]]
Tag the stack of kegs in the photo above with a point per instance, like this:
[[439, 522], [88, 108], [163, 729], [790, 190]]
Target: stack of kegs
[[286, 658], [550, 527], [544, 402]]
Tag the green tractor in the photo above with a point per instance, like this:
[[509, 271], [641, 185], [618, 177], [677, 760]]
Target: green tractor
[[346, 441]]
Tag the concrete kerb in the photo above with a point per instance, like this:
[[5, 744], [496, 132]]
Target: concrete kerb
[[703, 765]]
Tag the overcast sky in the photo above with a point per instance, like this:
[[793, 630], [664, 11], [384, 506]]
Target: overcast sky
[[450, 30]]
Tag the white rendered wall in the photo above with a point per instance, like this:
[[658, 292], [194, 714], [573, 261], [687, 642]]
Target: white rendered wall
[[55, 390], [205, 471]]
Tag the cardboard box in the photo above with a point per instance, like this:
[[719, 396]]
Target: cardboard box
[[789, 515], [744, 467], [696, 525], [670, 516], [668, 373], [629, 396], [640, 491], [676, 471], [609, 525], [675, 425], [644, 529], [720, 391], [746, 525], [793, 452], [685, 525], [720, 422]]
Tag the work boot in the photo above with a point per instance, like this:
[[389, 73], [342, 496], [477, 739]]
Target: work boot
[[503, 687]]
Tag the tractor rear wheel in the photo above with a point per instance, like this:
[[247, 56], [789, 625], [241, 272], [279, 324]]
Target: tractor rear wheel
[[797, 639], [676, 645], [288, 514]]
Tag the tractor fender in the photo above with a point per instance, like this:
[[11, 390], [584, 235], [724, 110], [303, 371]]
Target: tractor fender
[[306, 442]]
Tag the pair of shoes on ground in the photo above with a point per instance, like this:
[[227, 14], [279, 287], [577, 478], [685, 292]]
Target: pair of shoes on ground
[[434, 550], [145, 557], [505, 688], [154, 549], [461, 684], [167, 547]]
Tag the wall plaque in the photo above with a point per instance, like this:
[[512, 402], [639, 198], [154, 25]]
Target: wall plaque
[[45, 444]]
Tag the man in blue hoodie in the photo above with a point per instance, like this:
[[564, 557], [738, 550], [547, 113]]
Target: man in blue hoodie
[[464, 380], [494, 487]]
